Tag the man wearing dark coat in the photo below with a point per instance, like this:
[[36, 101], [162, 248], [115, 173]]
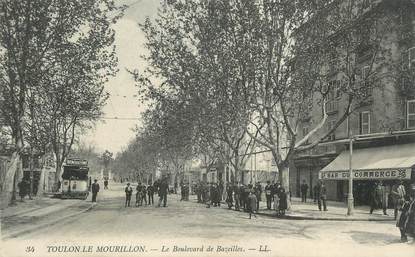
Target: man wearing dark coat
[[128, 192], [268, 194], [95, 190], [163, 190], [150, 192], [406, 220], [23, 189], [304, 189], [376, 198], [258, 192]]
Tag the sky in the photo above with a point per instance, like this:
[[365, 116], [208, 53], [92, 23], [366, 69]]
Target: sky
[[110, 133]]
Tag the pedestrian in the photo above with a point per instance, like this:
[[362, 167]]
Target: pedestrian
[[162, 192], [406, 216], [150, 193], [229, 192], [268, 196], [251, 203], [247, 190], [220, 190], [398, 195], [198, 191], [377, 197], [23, 189], [128, 192], [95, 190], [304, 189], [105, 184], [139, 195], [258, 193], [236, 195], [214, 195], [282, 202], [322, 196], [144, 194], [316, 191], [275, 193]]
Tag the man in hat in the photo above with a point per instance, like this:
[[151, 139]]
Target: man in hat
[[163, 190], [95, 190], [406, 220], [268, 195], [304, 189], [128, 193], [398, 195]]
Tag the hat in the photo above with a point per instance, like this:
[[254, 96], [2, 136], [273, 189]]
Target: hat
[[95, 180], [128, 184]]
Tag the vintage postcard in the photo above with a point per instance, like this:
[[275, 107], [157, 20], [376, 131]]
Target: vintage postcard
[[165, 128]]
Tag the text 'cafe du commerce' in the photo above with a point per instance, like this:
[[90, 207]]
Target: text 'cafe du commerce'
[[385, 164]]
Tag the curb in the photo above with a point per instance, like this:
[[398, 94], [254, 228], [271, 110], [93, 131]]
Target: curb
[[297, 217], [40, 226]]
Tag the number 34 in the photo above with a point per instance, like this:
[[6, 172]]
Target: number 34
[[30, 249]]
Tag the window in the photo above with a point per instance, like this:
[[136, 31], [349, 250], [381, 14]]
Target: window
[[410, 114], [330, 126], [408, 58], [364, 122], [332, 96], [411, 57], [365, 84]]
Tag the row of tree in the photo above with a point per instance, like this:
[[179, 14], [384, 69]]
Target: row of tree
[[227, 77], [55, 57]]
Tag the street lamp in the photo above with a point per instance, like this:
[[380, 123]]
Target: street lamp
[[350, 200]]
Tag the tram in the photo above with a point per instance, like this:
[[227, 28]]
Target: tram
[[75, 179]]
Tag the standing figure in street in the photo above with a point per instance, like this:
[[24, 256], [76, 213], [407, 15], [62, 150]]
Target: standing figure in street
[[316, 192], [144, 194], [128, 193], [150, 192], [139, 195], [23, 189], [268, 196], [237, 195], [322, 196], [283, 202], [251, 203], [162, 192], [220, 189], [95, 190], [275, 193], [304, 189], [376, 198], [229, 192], [398, 195], [258, 193], [106, 184], [406, 217], [198, 191]]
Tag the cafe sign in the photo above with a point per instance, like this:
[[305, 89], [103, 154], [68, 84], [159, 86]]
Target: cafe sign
[[366, 174]]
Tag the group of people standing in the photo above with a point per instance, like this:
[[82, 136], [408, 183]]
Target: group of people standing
[[209, 193], [143, 192]]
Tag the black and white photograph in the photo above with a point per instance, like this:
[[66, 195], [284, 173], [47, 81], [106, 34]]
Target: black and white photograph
[[264, 128]]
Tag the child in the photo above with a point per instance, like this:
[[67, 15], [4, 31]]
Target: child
[[252, 202]]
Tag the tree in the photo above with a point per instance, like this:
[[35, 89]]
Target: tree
[[47, 44]]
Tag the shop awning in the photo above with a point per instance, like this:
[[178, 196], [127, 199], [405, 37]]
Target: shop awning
[[385, 162]]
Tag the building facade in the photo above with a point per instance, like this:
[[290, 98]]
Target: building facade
[[382, 125]]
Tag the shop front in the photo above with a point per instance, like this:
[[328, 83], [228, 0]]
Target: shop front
[[385, 164]]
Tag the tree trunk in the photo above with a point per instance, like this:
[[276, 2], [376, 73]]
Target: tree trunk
[[284, 178], [42, 185], [12, 177], [58, 175]]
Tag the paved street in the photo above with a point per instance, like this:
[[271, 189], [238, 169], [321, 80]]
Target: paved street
[[192, 224]]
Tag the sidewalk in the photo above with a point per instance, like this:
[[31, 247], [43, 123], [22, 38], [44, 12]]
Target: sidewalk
[[336, 211], [41, 211]]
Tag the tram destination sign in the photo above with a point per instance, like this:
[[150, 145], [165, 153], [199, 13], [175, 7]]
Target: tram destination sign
[[367, 174]]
